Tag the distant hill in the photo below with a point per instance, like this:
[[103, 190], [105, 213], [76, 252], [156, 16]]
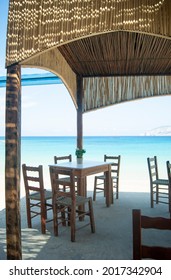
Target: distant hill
[[159, 131]]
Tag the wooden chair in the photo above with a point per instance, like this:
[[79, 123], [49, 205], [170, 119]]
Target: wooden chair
[[158, 187], [142, 251], [64, 158], [168, 165], [67, 206], [36, 196], [99, 181]]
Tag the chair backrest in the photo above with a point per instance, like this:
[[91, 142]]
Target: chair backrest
[[115, 166], [33, 179], [168, 165], [153, 168], [57, 183], [62, 158], [141, 251]]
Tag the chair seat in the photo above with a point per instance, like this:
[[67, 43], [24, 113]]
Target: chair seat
[[36, 195], [67, 179], [102, 177], [67, 201], [161, 182]]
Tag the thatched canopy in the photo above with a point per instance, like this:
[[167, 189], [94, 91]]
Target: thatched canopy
[[121, 48], [105, 51]]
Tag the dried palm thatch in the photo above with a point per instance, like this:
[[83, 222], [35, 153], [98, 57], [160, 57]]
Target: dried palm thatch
[[36, 25], [105, 42]]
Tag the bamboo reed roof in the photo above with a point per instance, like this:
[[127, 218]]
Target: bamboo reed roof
[[121, 48]]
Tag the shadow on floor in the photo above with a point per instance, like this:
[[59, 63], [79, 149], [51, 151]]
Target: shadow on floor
[[112, 240]]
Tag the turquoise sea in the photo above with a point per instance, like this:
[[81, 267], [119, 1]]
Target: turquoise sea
[[133, 150]]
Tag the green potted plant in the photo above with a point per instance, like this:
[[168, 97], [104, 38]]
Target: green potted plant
[[79, 154]]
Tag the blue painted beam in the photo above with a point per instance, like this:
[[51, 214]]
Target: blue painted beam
[[35, 79]]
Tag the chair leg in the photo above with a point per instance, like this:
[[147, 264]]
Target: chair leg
[[69, 216], [151, 196], [105, 188], [94, 193], [117, 190], [112, 192], [157, 194], [117, 193], [55, 219], [136, 230], [72, 221], [92, 222], [63, 216], [170, 201], [45, 210], [43, 217], [85, 187], [28, 213], [43, 226], [112, 196]]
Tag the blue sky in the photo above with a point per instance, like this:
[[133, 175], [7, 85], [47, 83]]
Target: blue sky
[[49, 110]]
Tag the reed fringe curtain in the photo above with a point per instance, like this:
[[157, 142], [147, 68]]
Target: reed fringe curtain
[[106, 91], [37, 25], [132, 88]]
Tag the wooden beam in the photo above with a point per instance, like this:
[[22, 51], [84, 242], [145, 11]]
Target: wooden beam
[[12, 162], [79, 112]]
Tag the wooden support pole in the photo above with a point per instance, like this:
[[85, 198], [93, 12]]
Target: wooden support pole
[[12, 162], [80, 112]]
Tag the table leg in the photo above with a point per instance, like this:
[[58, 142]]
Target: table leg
[[81, 181], [81, 189]]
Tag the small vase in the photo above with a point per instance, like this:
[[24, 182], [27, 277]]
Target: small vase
[[79, 160]]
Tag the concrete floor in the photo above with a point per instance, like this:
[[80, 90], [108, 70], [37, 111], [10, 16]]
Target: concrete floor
[[112, 240]]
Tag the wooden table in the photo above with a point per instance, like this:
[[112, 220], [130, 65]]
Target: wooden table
[[85, 169]]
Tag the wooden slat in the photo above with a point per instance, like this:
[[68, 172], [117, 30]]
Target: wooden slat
[[158, 253], [158, 222]]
